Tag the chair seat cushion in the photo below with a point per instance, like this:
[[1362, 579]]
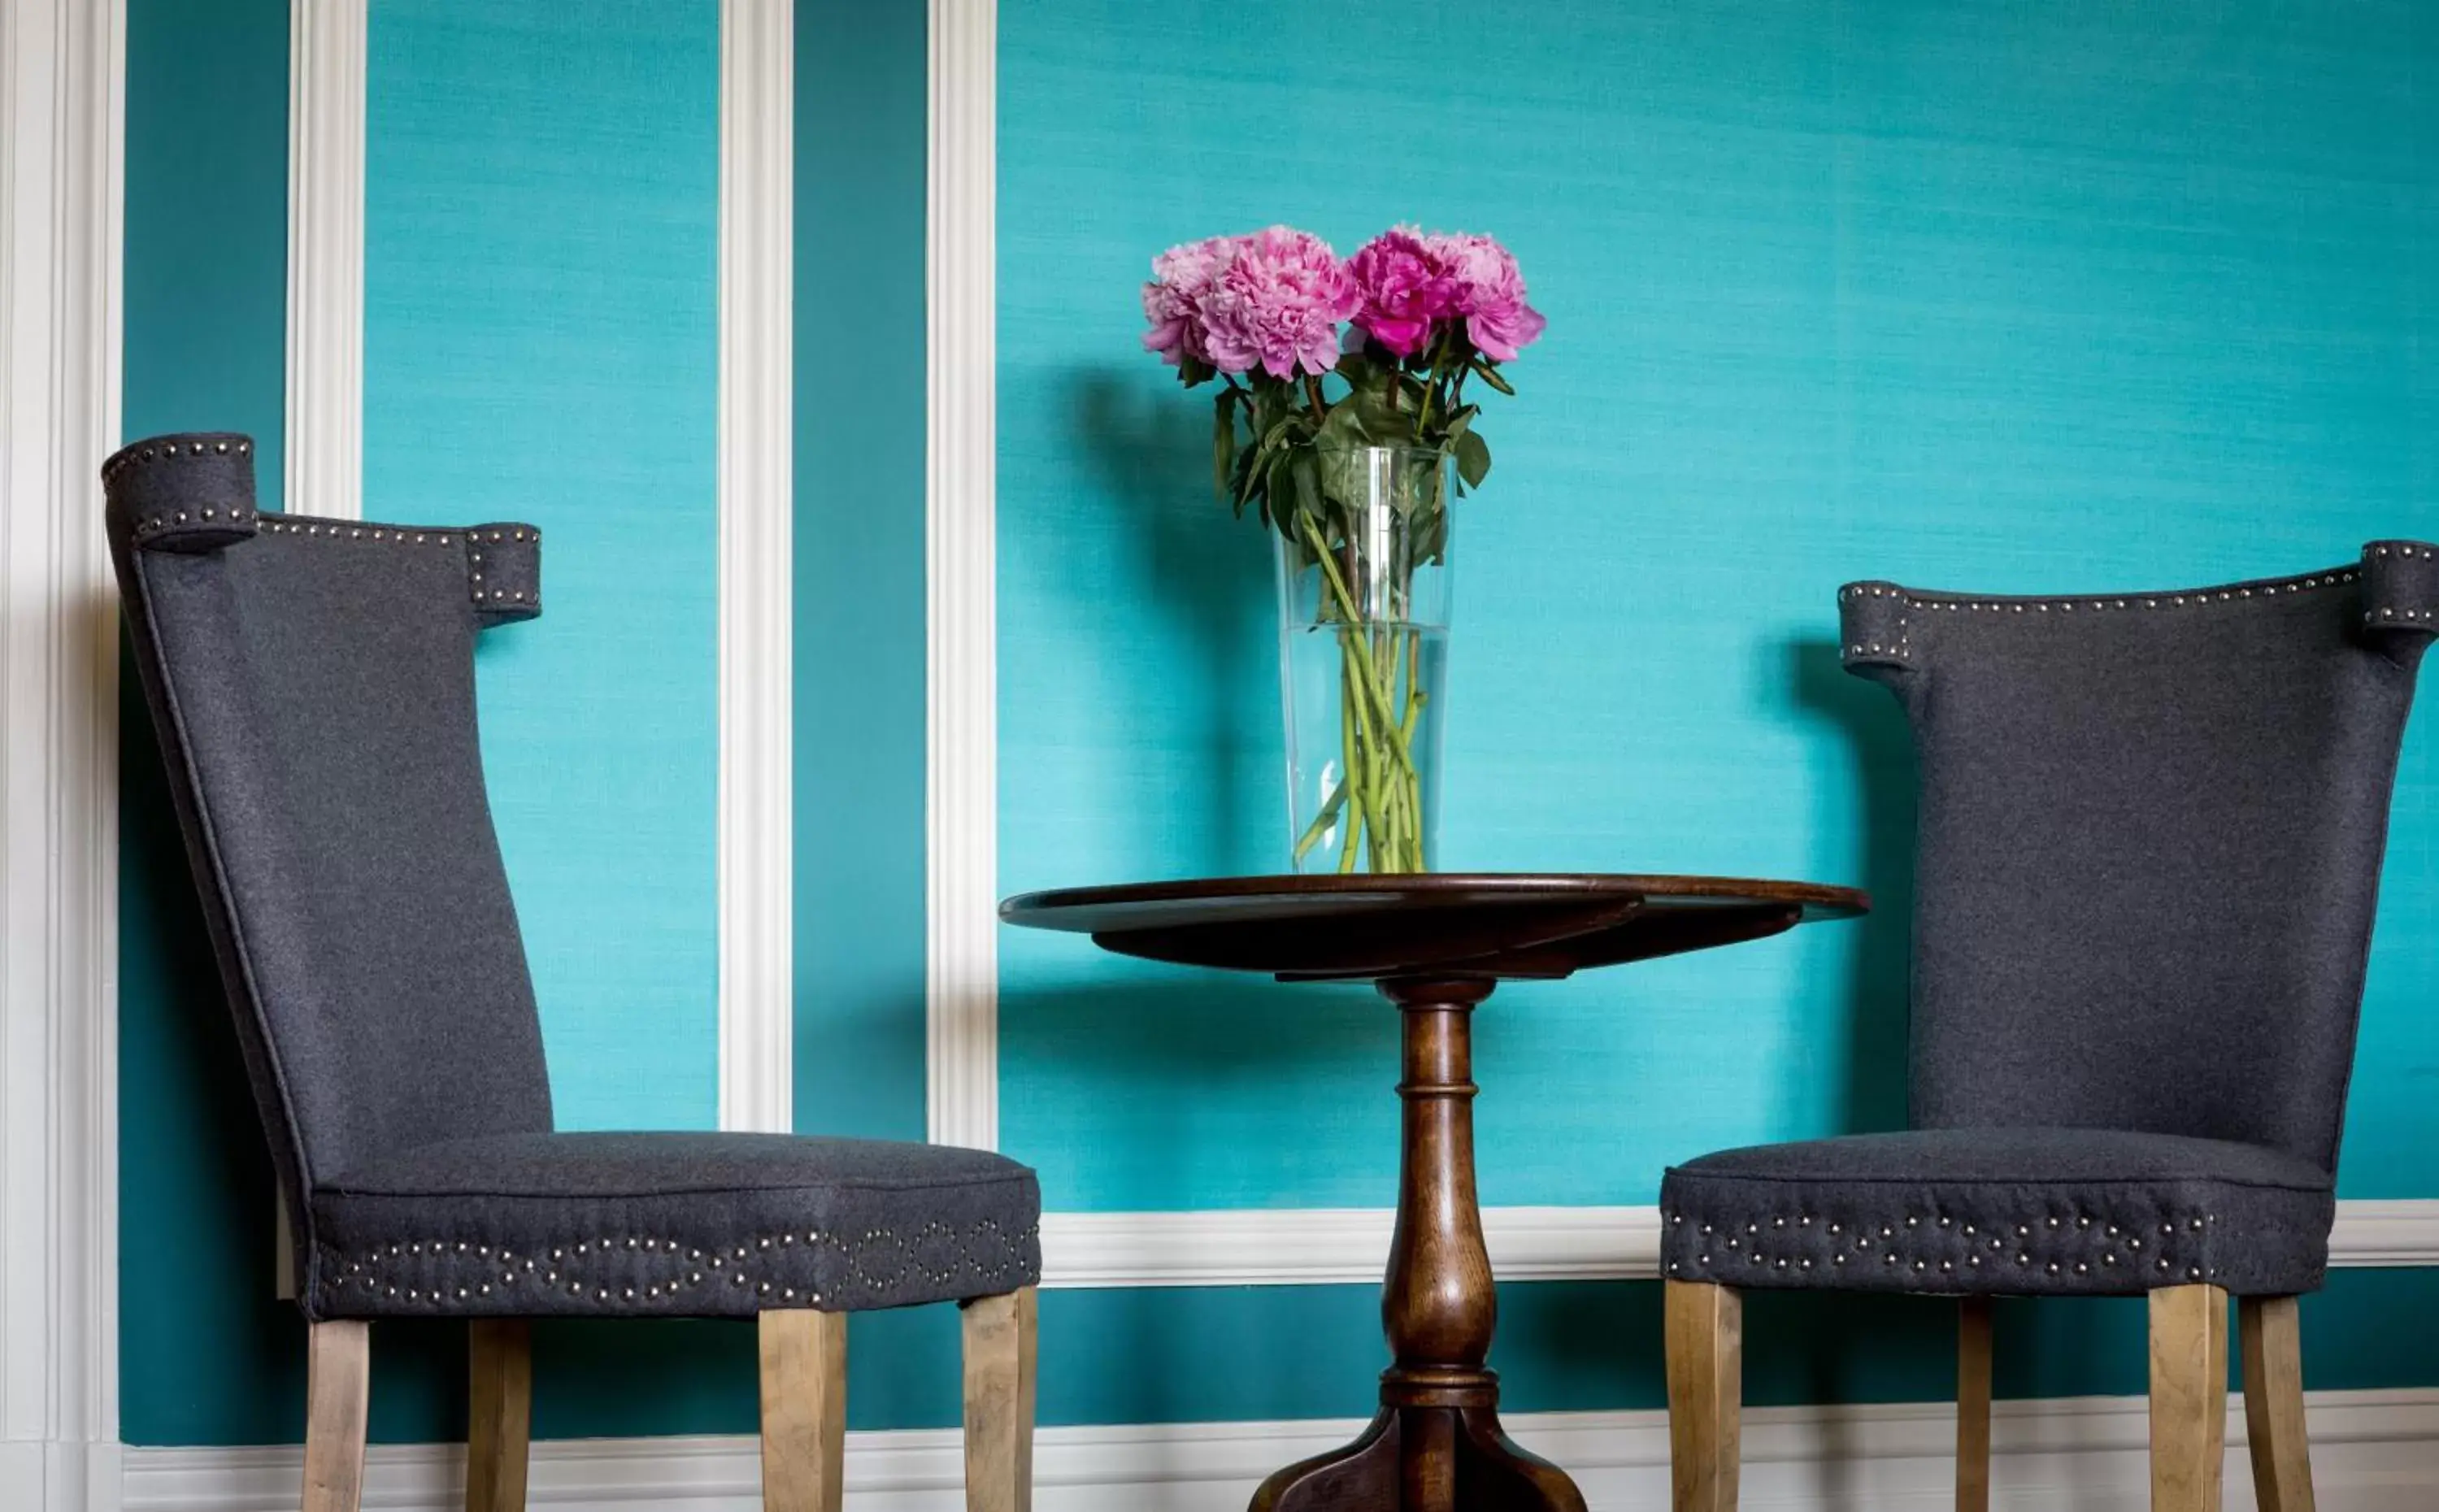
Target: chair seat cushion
[[2074, 1211], [671, 1225]]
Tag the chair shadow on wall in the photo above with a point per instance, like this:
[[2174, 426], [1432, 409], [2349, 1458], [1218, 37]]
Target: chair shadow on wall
[[218, 1357], [1857, 1347], [1806, 1349], [1208, 578], [1241, 1073]]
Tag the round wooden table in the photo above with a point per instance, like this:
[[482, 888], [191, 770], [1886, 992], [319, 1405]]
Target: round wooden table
[[1436, 945]]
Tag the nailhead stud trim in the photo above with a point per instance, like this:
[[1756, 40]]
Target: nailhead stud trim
[[2063, 1245], [979, 1259]]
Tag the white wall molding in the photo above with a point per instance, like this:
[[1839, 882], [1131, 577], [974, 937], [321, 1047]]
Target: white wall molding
[[2373, 1451], [324, 443], [961, 818], [1318, 1246], [2386, 1232], [756, 447], [63, 71]]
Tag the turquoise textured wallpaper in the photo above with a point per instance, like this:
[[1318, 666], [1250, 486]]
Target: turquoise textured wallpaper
[[2074, 296], [541, 286]]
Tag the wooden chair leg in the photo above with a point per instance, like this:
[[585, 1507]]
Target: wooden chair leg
[[999, 1402], [499, 1412], [804, 1411], [1705, 1348], [1973, 1405], [2274, 1403], [2188, 1397], [338, 1391]]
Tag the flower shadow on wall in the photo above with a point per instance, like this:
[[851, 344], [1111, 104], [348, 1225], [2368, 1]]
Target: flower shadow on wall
[[1209, 586]]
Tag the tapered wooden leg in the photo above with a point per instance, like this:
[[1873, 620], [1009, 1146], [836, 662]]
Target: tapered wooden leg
[[999, 1402], [499, 1412], [338, 1390], [1705, 1346], [1973, 1405], [2188, 1397], [804, 1411], [2274, 1403]]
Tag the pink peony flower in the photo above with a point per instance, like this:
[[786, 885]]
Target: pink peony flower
[[1489, 294], [1276, 305], [1180, 278], [1405, 289]]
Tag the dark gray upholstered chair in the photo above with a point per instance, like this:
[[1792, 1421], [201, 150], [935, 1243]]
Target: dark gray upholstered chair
[[2150, 836], [312, 682]]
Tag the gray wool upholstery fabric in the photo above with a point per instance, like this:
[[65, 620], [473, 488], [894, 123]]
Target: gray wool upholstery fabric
[[2152, 831], [312, 685]]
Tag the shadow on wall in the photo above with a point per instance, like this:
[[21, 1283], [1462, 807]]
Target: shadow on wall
[[1870, 1095], [1236, 1090], [1150, 449], [212, 1356]]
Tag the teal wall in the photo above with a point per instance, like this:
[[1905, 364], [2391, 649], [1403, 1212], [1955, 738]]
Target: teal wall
[[1955, 293]]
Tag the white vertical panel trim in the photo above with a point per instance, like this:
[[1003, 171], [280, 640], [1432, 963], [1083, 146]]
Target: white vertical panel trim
[[324, 446], [756, 564], [961, 818], [62, 69]]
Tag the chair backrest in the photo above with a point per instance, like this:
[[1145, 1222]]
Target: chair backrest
[[2151, 828], [312, 683]]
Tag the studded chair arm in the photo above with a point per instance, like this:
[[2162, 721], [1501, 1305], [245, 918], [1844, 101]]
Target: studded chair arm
[[184, 493], [2400, 602], [1875, 629], [504, 571]]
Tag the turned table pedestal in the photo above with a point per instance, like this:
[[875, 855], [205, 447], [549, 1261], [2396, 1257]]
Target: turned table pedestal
[[1436, 945]]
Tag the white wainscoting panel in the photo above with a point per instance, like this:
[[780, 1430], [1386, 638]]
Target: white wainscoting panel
[[1312, 1246], [2373, 1451]]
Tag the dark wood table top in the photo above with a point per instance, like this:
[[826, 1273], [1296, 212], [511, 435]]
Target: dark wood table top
[[1498, 925]]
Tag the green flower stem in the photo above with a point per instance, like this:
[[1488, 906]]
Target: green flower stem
[[1355, 644], [1347, 783], [1379, 796], [1366, 765], [1320, 825], [1415, 699]]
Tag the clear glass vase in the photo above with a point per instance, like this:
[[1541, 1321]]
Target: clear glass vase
[[1364, 620]]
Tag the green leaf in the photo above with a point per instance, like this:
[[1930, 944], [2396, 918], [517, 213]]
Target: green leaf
[[1280, 484], [1472, 458], [1344, 426], [1381, 425], [1307, 483], [1224, 441], [1489, 372]]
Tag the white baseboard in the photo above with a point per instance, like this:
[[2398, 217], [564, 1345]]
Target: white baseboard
[[2372, 1451], [1312, 1246]]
